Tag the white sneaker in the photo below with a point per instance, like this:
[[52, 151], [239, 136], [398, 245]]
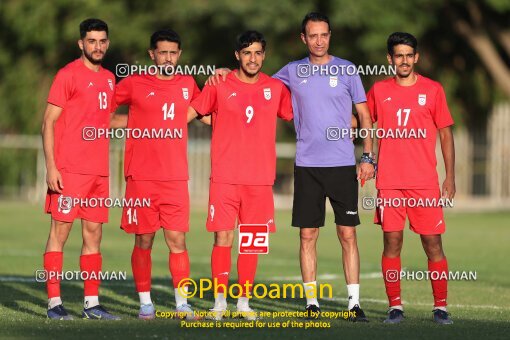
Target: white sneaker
[[216, 313], [185, 312], [247, 314]]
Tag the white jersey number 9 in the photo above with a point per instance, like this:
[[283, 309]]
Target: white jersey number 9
[[249, 113]]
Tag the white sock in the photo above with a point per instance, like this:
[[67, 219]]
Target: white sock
[[353, 292], [54, 301], [220, 301], [311, 289], [179, 299], [145, 298], [443, 308], [243, 303], [90, 301], [397, 307]]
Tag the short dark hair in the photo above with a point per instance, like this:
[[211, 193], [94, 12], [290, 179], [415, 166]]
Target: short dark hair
[[92, 24], [249, 37], [401, 38], [316, 17], [165, 35]]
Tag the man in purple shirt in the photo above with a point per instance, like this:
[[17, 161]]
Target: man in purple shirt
[[323, 89], [323, 92]]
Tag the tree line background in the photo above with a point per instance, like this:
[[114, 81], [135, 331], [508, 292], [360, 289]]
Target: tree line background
[[463, 44]]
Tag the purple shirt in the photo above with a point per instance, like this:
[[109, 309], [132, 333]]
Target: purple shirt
[[320, 101]]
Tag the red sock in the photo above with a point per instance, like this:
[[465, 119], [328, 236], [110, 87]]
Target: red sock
[[220, 266], [440, 286], [91, 263], [179, 267], [53, 262], [246, 269], [141, 264], [391, 267]]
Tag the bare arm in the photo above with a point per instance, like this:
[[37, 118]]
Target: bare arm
[[366, 170], [192, 114], [53, 177], [118, 121], [448, 149]]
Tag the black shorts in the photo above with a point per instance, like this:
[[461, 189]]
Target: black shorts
[[311, 187]]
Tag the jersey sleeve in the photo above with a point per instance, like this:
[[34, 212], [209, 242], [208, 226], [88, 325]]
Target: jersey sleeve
[[372, 107], [283, 75], [62, 88], [356, 89], [441, 114], [123, 92], [196, 91], [285, 108], [207, 101]]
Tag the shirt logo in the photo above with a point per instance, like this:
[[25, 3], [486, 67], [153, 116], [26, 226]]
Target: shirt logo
[[185, 94], [90, 84], [348, 212], [110, 83], [422, 99], [387, 100], [333, 81], [150, 94], [267, 93], [304, 81], [232, 95]]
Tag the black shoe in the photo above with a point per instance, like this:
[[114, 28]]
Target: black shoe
[[356, 314], [312, 312], [395, 315], [58, 313], [441, 317]]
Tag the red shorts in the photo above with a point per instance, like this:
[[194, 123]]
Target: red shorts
[[423, 220], [62, 206], [250, 204], [168, 209]]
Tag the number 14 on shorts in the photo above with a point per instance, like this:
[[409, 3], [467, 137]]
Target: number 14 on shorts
[[253, 239]]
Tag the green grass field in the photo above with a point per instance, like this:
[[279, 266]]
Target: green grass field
[[473, 242]]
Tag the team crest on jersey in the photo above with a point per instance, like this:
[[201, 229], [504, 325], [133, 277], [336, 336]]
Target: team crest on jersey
[[185, 94], [333, 81], [110, 83], [422, 99], [267, 93]]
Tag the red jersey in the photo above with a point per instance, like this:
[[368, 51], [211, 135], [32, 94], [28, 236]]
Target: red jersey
[[243, 145], [85, 97], [161, 106], [408, 163]]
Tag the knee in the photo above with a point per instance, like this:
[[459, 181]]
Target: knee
[[392, 247], [177, 244], [347, 236], [309, 236], [224, 238], [144, 241]]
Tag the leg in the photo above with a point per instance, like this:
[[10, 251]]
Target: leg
[[178, 262], [53, 259], [308, 253], [91, 261], [350, 261], [221, 262], [438, 268], [391, 266], [308, 263], [141, 265], [350, 255]]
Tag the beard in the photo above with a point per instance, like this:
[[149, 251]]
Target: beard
[[248, 72], [91, 58]]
